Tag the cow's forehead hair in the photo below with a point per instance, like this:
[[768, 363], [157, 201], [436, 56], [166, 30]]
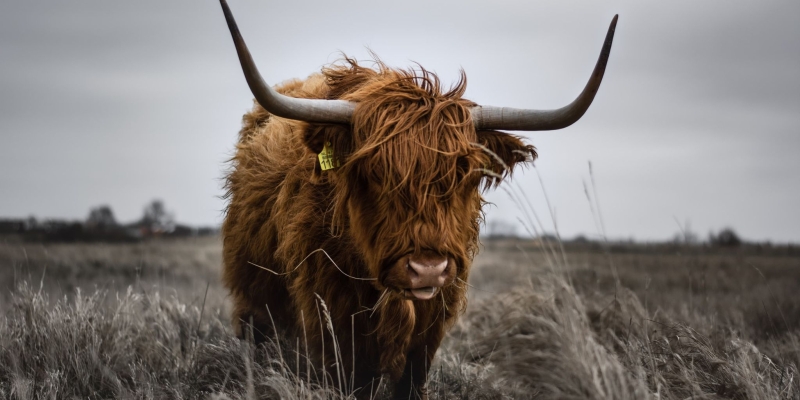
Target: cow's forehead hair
[[407, 131]]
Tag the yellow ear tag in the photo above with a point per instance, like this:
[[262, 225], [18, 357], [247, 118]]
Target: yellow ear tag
[[326, 158]]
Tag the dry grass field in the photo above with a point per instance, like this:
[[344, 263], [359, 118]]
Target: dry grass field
[[149, 321]]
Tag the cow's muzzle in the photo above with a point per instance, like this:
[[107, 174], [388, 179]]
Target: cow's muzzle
[[426, 275]]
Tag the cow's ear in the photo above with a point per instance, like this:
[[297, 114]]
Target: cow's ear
[[315, 136], [508, 148]]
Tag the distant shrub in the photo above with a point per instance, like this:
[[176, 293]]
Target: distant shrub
[[101, 218], [725, 238]]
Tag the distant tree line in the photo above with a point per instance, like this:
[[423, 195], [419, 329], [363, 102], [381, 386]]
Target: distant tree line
[[727, 237], [101, 225]]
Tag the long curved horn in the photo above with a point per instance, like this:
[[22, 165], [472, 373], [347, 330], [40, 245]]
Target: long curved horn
[[514, 119], [310, 110]]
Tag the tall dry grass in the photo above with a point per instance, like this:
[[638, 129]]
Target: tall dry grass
[[146, 346], [547, 341], [571, 329]]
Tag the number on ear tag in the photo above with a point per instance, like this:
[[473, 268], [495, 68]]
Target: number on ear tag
[[326, 158]]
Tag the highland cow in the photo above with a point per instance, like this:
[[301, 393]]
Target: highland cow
[[357, 193]]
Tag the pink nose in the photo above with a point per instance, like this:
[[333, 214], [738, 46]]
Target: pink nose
[[427, 271]]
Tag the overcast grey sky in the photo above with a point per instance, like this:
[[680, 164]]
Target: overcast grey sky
[[698, 118]]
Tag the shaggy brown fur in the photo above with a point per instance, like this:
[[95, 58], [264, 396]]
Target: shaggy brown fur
[[412, 169]]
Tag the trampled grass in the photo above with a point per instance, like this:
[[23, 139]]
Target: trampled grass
[[530, 331]]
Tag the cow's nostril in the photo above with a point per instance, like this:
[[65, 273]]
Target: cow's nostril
[[411, 271]]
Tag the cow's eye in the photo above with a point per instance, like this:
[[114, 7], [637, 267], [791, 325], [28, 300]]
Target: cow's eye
[[468, 172], [463, 166]]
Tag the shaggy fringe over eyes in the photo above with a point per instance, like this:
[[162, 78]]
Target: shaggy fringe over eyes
[[408, 132]]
